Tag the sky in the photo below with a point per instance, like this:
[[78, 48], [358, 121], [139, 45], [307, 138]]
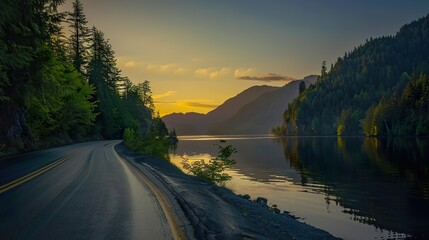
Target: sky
[[198, 53]]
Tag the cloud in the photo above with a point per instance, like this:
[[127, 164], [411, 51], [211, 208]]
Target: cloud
[[130, 64], [202, 72], [170, 68], [163, 95], [166, 102], [269, 77], [125, 62], [250, 74], [196, 103], [180, 71], [244, 72], [161, 68], [212, 73]]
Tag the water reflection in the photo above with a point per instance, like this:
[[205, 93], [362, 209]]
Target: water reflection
[[381, 182], [353, 187]]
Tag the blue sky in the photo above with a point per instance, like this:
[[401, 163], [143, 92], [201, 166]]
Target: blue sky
[[196, 52]]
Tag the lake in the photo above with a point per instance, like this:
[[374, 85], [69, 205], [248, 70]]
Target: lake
[[352, 187]]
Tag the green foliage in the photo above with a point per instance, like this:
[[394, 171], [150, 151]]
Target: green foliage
[[60, 102], [136, 115], [213, 171], [344, 122], [357, 95], [145, 93], [158, 127], [79, 35], [120, 103], [151, 144], [407, 114], [41, 95], [52, 91], [157, 142], [19, 40]]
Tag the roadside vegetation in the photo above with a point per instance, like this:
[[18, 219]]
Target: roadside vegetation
[[59, 87], [157, 143], [213, 171]]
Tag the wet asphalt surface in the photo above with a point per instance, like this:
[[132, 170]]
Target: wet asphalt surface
[[92, 194]]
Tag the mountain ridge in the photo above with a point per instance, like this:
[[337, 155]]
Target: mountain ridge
[[226, 119]]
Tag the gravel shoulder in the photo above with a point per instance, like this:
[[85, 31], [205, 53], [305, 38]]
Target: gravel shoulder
[[203, 211]]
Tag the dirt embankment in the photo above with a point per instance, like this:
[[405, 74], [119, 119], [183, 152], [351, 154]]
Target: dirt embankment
[[204, 211]]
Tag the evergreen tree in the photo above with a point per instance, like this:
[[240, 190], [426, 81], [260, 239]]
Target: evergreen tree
[[37, 86], [323, 71], [361, 94], [24, 32], [44, 97], [145, 93], [99, 75], [119, 102], [301, 87], [79, 35]]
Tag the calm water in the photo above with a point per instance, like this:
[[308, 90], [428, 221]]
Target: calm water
[[354, 188]]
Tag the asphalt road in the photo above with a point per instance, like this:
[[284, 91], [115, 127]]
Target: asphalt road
[[82, 191]]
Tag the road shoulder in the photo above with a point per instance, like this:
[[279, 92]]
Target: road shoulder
[[204, 211], [179, 224]]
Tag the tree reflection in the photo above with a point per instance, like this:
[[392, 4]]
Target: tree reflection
[[382, 182]]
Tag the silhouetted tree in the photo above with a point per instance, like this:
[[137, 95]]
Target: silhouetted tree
[[79, 35], [323, 71], [301, 87]]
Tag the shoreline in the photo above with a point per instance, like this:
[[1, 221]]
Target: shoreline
[[206, 211]]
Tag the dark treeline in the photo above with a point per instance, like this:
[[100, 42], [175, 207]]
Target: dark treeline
[[379, 88], [59, 88]]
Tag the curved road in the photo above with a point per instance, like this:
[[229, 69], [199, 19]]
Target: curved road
[[82, 191]]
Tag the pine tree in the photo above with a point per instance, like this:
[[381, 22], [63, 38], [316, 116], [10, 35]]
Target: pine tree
[[301, 87], [104, 75], [23, 34], [145, 93], [39, 88], [102, 69], [79, 36], [323, 71]]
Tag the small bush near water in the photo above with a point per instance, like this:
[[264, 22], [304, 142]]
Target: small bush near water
[[213, 171]]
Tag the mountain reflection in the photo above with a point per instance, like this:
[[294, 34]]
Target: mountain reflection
[[380, 182]]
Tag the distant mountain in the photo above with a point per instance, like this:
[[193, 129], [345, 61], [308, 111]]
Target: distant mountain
[[262, 114], [255, 110], [186, 123], [196, 123], [234, 104]]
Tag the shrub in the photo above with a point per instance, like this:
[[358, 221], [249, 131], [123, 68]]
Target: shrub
[[213, 171], [151, 144]]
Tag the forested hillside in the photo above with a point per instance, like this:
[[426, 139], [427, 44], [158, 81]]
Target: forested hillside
[[378, 88], [59, 87]]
